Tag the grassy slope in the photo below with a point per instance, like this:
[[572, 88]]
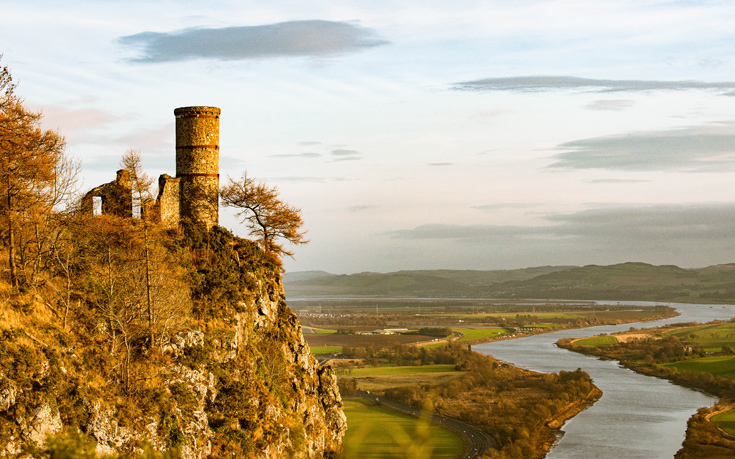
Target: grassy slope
[[378, 433], [319, 350], [708, 337], [725, 421], [717, 366]]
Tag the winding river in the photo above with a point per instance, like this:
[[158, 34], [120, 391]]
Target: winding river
[[638, 416]]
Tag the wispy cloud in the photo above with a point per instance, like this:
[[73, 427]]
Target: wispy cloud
[[628, 226], [708, 148], [152, 139], [441, 164], [285, 39], [610, 104], [551, 83], [346, 155], [80, 119]]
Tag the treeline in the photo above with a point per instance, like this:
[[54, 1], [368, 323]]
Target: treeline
[[514, 405], [402, 355], [704, 440], [647, 357], [441, 332]]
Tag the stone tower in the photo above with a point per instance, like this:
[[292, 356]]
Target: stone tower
[[197, 163]]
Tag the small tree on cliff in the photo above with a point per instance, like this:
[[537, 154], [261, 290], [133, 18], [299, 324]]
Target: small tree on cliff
[[268, 218]]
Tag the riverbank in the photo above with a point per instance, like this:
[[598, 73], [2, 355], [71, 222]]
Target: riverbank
[[703, 439], [574, 408], [661, 313]]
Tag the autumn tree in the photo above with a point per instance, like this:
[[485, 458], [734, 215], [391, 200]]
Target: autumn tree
[[133, 300], [141, 189], [6, 84], [268, 219], [36, 176]]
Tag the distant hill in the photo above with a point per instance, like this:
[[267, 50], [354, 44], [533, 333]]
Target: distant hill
[[299, 276], [441, 283], [625, 281]]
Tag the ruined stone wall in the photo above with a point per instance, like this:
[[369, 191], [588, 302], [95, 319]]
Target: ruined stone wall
[[197, 163], [117, 196], [168, 201]]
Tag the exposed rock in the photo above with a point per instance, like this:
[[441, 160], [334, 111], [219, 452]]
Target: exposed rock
[[242, 385], [8, 394], [181, 341], [45, 421], [104, 427]]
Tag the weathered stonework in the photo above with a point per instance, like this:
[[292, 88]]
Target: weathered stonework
[[167, 204], [197, 163], [117, 196], [192, 195]]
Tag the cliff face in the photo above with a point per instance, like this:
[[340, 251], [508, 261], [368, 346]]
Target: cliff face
[[236, 381]]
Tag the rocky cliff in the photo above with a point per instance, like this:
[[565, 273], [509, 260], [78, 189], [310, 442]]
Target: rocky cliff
[[234, 379]]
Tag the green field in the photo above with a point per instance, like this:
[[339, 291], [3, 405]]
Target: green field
[[725, 421], [317, 350], [718, 366], [595, 341], [388, 371], [710, 338], [471, 334], [376, 433], [323, 331]]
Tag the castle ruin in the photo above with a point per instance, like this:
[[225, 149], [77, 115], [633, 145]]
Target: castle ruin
[[193, 195]]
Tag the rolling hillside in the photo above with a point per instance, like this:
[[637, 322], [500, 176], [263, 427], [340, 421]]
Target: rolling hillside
[[625, 281]]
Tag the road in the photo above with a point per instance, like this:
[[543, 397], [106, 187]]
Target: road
[[476, 442]]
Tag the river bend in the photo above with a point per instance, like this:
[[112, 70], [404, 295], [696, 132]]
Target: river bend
[[638, 416]]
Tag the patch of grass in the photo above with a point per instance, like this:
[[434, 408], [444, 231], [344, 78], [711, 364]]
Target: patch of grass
[[471, 334], [707, 337], [725, 421], [318, 350], [718, 366], [387, 371], [323, 331], [595, 341], [376, 433]]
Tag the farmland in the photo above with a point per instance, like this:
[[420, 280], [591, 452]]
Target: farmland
[[337, 339], [716, 366], [596, 341], [382, 378], [348, 323], [726, 421], [379, 433]]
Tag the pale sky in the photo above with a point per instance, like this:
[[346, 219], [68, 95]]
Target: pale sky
[[418, 134]]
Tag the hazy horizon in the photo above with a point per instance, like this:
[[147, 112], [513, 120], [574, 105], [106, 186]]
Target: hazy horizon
[[418, 135], [292, 272]]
